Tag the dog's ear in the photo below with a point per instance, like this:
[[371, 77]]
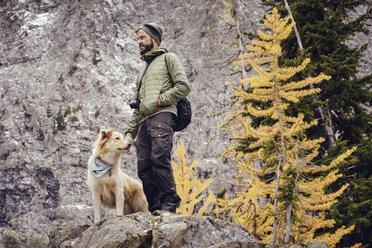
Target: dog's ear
[[106, 134], [103, 134]]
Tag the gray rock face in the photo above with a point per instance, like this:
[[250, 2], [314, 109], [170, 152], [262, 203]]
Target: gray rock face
[[68, 69]]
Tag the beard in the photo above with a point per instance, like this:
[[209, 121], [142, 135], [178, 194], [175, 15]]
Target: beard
[[147, 47]]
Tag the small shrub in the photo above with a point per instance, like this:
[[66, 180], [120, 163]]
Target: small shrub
[[83, 43], [76, 55], [67, 111], [59, 122], [49, 111], [191, 152], [60, 79], [95, 58], [72, 69], [96, 114], [78, 107]]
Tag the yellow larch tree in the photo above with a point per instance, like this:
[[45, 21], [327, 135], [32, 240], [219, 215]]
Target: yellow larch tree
[[283, 199], [189, 189]]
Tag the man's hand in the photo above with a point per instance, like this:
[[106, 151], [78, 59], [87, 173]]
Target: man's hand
[[129, 140]]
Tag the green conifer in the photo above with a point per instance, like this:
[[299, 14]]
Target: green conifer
[[325, 27]]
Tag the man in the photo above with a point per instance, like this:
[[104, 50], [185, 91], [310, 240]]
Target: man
[[159, 87]]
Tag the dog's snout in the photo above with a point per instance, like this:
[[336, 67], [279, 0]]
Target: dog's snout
[[124, 146]]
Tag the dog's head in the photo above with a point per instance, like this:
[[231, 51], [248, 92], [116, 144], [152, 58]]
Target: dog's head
[[110, 141]]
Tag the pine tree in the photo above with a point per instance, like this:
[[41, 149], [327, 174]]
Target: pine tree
[[189, 190], [286, 198], [325, 28]]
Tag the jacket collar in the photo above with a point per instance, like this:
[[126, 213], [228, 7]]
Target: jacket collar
[[150, 55]]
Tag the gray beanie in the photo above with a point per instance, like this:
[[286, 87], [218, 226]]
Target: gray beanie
[[154, 29]]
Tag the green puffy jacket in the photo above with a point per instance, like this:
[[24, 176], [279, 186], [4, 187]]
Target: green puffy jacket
[[160, 90]]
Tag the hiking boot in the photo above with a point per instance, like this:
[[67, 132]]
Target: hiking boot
[[162, 212]]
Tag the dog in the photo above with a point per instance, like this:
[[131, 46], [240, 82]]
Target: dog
[[108, 184]]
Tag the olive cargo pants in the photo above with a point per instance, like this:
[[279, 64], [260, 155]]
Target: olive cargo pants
[[154, 145]]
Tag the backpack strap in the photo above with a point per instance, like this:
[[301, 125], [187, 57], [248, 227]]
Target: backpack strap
[[140, 83]]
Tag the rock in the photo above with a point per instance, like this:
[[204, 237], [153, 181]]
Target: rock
[[142, 230], [13, 239], [10, 240], [65, 236], [180, 231], [127, 231]]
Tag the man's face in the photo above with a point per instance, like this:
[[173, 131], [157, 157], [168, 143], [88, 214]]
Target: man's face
[[144, 41]]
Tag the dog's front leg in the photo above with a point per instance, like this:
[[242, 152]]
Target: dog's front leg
[[96, 206], [119, 195]]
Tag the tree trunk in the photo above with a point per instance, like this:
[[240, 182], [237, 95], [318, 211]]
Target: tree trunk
[[288, 229], [327, 122], [281, 155], [295, 27], [290, 206], [275, 224]]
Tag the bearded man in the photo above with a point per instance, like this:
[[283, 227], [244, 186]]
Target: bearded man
[[160, 85]]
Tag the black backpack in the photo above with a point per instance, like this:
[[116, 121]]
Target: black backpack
[[183, 110]]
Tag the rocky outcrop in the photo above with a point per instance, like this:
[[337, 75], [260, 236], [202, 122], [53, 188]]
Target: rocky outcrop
[[143, 230], [166, 231]]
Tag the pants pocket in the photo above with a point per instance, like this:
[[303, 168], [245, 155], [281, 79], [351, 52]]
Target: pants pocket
[[161, 135]]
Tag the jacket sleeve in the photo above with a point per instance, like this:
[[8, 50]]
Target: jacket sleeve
[[181, 86], [133, 124]]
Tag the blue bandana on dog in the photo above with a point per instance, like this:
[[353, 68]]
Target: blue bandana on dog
[[98, 166]]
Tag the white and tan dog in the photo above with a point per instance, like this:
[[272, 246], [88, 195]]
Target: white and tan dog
[[108, 184]]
